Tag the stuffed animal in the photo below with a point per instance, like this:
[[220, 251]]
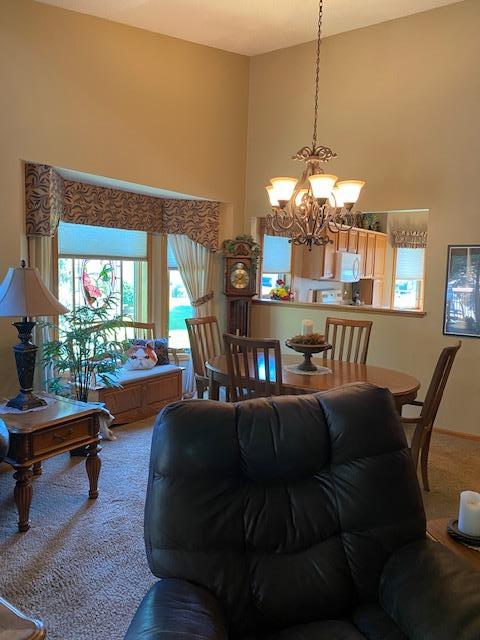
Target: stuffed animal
[[140, 357]]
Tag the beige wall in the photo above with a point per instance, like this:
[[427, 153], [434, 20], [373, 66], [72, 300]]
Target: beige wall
[[100, 97], [400, 105]]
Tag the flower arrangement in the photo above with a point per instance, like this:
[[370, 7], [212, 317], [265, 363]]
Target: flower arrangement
[[281, 291]]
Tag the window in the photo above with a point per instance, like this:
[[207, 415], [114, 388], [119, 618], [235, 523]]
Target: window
[[179, 305], [96, 262], [408, 278], [276, 262]]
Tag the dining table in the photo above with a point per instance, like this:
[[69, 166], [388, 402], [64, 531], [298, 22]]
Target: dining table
[[402, 386]]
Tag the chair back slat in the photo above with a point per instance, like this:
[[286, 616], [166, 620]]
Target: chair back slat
[[205, 342], [349, 339], [254, 367]]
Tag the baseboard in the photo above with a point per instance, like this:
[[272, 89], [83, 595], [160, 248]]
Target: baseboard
[[458, 434]]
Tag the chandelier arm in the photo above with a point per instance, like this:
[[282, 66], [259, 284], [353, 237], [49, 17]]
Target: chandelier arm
[[317, 74]]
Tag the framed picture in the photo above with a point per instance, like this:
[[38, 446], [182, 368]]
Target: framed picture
[[462, 291]]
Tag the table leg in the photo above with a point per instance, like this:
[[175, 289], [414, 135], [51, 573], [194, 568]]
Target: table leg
[[213, 387], [23, 497], [37, 469], [93, 464]]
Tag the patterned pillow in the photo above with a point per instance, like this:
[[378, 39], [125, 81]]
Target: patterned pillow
[[159, 345], [140, 357]]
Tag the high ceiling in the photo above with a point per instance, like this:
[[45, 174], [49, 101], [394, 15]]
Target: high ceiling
[[249, 27]]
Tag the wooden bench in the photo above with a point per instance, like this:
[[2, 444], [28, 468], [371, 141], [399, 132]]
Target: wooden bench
[[144, 392]]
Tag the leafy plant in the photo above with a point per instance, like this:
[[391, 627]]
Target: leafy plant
[[86, 349]]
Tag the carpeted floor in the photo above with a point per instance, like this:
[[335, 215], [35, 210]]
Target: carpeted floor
[[82, 567]]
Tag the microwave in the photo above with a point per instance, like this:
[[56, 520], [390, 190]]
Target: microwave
[[347, 266]]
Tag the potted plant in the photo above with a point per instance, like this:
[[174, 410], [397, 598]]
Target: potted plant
[[84, 351]]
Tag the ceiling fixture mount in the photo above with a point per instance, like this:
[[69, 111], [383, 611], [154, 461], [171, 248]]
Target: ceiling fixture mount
[[306, 208]]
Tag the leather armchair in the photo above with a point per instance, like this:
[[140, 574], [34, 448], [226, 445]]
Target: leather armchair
[[295, 518]]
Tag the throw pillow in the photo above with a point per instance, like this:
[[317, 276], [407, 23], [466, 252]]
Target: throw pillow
[[140, 357], [159, 345]]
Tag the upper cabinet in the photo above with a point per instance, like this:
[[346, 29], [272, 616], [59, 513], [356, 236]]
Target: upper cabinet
[[319, 263]]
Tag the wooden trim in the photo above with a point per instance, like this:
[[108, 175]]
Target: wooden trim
[[150, 277], [341, 307], [458, 434]]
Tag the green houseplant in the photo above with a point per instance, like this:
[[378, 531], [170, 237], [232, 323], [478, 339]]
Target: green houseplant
[[85, 350]]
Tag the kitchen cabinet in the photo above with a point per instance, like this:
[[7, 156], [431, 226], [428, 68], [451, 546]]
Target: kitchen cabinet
[[380, 255], [343, 240], [370, 256], [353, 241], [362, 250], [319, 263]]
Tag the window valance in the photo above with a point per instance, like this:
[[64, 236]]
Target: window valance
[[409, 238], [265, 228], [50, 198]]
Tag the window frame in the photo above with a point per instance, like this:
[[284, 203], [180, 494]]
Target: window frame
[[290, 273], [56, 256], [421, 293]]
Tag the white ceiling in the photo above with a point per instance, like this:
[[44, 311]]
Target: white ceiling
[[249, 27]]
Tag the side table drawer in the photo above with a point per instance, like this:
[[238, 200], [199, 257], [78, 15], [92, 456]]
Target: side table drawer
[[61, 436]]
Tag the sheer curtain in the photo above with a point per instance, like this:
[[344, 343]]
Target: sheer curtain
[[42, 254], [196, 265]]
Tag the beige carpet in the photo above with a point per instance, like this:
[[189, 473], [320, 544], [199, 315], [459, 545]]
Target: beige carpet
[[82, 567]]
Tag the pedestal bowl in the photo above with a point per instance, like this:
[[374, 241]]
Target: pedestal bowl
[[308, 350]]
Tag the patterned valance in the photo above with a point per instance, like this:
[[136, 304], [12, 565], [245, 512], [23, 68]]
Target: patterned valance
[[265, 228], [409, 238], [50, 198]]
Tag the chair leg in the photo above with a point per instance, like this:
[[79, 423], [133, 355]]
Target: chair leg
[[424, 460]]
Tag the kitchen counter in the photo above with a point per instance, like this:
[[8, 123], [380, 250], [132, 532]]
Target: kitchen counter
[[341, 307]]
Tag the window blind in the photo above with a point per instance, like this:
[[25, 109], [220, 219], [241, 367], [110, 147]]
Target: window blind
[[277, 254], [410, 264], [101, 242]]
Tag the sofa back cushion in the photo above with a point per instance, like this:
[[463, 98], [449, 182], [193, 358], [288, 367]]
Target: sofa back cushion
[[286, 508]]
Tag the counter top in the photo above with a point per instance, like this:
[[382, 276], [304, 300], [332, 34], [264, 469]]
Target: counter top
[[341, 307]]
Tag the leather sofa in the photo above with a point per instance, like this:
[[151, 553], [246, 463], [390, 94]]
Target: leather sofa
[[295, 518]]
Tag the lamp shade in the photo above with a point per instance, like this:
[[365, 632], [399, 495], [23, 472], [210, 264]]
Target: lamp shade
[[271, 195], [283, 188], [322, 184], [23, 293], [350, 190]]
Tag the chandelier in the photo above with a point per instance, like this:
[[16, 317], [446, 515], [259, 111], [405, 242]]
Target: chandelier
[[305, 209]]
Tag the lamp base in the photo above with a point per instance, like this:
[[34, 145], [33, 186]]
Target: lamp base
[[26, 400]]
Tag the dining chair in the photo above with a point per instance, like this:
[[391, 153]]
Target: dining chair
[[349, 339], [254, 367], [205, 343], [420, 443]]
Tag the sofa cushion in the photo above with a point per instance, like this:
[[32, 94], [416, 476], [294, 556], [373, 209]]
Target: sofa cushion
[[376, 624], [323, 630]]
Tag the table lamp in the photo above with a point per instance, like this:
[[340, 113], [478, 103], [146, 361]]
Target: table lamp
[[23, 293]]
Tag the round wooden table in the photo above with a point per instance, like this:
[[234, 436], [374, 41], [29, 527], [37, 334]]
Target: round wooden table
[[402, 386]]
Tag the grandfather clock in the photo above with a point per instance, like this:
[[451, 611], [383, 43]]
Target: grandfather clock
[[240, 283]]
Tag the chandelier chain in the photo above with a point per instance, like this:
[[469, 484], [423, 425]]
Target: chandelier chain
[[317, 72]]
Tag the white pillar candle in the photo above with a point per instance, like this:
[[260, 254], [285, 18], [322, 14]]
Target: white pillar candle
[[469, 513], [307, 327]]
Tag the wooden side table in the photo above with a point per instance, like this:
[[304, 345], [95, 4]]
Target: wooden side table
[[37, 435], [437, 530]]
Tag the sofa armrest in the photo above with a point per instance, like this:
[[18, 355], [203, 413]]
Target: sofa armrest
[[431, 593], [174, 609]]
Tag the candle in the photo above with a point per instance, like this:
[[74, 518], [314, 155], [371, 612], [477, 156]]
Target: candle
[[469, 514], [307, 327]]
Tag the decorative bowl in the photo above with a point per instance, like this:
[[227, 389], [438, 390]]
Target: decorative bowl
[[308, 350]]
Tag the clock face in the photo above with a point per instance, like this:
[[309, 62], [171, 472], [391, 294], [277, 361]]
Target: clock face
[[239, 276]]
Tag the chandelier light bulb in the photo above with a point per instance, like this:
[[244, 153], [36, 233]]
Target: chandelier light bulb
[[299, 196], [349, 190], [271, 196], [322, 185], [283, 188]]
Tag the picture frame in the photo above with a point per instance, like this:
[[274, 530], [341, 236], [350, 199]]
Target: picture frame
[[462, 291]]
